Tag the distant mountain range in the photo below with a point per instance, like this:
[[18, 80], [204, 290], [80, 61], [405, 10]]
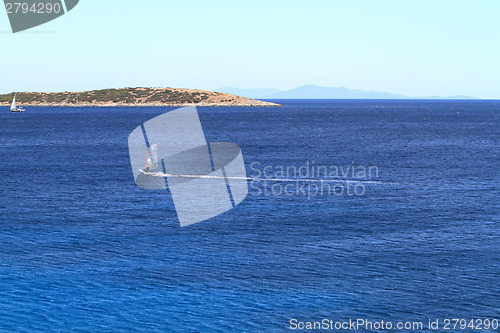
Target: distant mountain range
[[316, 92]]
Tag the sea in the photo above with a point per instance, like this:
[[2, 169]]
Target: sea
[[83, 249]]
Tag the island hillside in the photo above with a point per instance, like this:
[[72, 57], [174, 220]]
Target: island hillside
[[132, 97]]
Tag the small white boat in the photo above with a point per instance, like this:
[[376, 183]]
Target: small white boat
[[15, 108]]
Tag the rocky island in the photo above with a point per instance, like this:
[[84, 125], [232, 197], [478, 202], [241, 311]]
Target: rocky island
[[132, 97]]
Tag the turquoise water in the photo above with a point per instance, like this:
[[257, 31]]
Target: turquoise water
[[84, 249]]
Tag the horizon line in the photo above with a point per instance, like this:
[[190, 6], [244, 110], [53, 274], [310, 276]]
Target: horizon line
[[403, 97]]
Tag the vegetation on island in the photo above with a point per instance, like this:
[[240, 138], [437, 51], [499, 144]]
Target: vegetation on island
[[130, 96]]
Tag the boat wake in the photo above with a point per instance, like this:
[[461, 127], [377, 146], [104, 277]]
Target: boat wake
[[258, 179]]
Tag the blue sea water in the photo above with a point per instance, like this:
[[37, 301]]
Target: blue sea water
[[82, 248]]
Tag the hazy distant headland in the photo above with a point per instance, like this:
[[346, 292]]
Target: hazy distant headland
[[132, 97], [316, 92]]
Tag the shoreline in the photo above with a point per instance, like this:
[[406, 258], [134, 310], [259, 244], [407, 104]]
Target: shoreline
[[145, 105]]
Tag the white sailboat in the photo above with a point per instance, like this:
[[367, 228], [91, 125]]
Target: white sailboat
[[15, 108]]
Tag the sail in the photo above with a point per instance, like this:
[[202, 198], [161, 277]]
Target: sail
[[151, 162], [13, 106]]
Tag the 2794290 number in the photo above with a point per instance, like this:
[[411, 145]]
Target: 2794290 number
[[36, 8], [475, 324]]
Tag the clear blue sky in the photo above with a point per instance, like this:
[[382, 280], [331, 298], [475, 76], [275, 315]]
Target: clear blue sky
[[415, 48]]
